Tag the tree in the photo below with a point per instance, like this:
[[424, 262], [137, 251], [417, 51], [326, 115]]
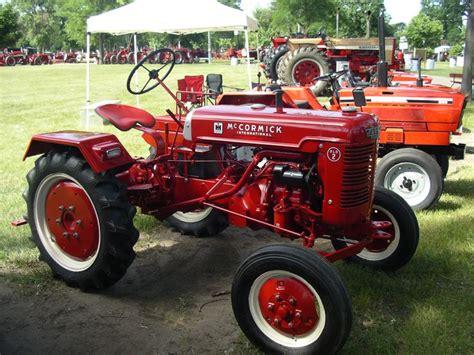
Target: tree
[[9, 27], [450, 13], [232, 3], [311, 15], [423, 32], [353, 17], [39, 24], [468, 53]]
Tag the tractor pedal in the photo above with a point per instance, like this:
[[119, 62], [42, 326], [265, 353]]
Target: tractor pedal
[[18, 222]]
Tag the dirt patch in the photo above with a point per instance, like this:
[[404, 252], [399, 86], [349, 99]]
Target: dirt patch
[[174, 299]]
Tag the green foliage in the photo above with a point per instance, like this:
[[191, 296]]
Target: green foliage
[[449, 13], [9, 27], [423, 32], [456, 50]]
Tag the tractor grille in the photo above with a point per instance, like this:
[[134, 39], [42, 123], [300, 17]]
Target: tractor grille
[[358, 176]]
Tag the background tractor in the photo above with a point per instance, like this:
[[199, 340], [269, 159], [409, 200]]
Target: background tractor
[[300, 60], [305, 180]]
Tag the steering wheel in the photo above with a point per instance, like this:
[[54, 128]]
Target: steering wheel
[[165, 57], [332, 76]]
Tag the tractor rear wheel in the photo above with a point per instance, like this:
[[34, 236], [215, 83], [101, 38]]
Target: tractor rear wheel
[[389, 255], [10, 61], [274, 61], [413, 174], [200, 223], [82, 222], [304, 64], [107, 59], [114, 59], [290, 300], [38, 61]]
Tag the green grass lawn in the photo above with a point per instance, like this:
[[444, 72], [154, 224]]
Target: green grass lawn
[[441, 69], [427, 307]]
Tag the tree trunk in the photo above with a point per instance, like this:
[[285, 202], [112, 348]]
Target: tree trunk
[[101, 48], [466, 86]]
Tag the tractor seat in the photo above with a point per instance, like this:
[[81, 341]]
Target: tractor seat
[[125, 117]]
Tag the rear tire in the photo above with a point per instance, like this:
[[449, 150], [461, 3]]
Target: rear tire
[[200, 223], [412, 174], [274, 61], [390, 256], [114, 59], [88, 239], [279, 281], [179, 57], [294, 71]]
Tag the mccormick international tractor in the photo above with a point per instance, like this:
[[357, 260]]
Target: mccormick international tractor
[[311, 177], [301, 60]]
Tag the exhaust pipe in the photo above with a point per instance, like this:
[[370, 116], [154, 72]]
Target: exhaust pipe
[[382, 66]]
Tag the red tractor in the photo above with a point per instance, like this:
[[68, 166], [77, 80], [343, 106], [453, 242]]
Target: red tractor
[[300, 60], [67, 57], [311, 177], [38, 58], [13, 56]]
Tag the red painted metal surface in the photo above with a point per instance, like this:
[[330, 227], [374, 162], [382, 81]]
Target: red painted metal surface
[[72, 219], [295, 129], [91, 145], [288, 305], [125, 117]]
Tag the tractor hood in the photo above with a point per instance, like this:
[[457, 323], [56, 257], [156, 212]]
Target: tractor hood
[[294, 129]]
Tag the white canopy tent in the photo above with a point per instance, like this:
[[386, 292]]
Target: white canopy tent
[[176, 17]]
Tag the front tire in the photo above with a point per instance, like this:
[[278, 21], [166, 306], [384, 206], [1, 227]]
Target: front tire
[[82, 222], [10, 61], [393, 254], [413, 174], [290, 300]]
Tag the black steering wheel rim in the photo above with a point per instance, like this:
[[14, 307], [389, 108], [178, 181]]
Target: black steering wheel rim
[[152, 74], [331, 76]]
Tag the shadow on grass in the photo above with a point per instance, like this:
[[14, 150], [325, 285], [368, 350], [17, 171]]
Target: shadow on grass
[[462, 188], [445, 206]]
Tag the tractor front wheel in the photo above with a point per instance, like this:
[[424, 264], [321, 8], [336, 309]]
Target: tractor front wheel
[[82, 222], [290, 300], [392, 254], [413, 174]]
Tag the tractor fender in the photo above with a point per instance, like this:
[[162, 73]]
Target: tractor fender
[[102, 151]]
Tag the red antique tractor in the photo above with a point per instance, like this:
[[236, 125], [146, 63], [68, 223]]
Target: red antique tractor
[[13, 56], [300, 60], [311, 177]]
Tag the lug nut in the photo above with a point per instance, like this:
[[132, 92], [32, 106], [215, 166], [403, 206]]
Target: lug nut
[[75, 235], [278, 298], [78, 222], [65, 234], [71, 208], [61, 208], [270, 307], [298, 315], [290, 325], [292, 301], [276, 321], [58, 220]]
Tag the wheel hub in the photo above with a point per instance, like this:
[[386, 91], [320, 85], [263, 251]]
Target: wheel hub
[[288, 306], [305, 71], [71, 219], [410, 181]]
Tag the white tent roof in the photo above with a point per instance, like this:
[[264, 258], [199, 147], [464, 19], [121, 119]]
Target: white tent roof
[[176, 16]]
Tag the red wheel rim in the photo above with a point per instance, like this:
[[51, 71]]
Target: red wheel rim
[[305, 71], [72, 220], [288, 306]]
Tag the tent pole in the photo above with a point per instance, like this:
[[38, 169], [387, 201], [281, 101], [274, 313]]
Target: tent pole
[[258, 50], [135, 52], [248, 58], [209, 47], [88, 73]]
